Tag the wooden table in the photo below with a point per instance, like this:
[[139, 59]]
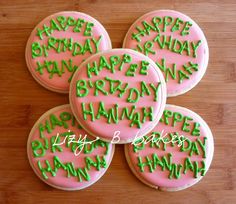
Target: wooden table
[[23, 100]]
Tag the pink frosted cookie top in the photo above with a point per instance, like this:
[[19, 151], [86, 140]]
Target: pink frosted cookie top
[[59, 44], [175, 43], [60, 153], [175, 154], [118, 94]]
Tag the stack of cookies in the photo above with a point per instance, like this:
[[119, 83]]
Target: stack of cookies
[[118, 96]]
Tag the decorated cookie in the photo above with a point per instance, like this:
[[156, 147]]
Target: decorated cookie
[[176, 154], [63, 155], [175, 43], [59, 44], [118, 94]]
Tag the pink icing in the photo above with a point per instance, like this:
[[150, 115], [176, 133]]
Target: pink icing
[[57, 83], [61, 180], [100, 127], [159, 178], [195, 34]]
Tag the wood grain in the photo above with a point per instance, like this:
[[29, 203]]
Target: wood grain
[[22, 101]]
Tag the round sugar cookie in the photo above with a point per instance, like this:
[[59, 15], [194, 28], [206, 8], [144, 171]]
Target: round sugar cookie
[[63, 155], [59, 44], [118, 94], [175, 43], [176, 154]]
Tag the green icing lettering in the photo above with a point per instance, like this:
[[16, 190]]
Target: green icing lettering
[[199, 170], [136, 120], [127, 114], [144, 89], [131, 70], [144, 67], [195, 47], [186, 124], [136, 36], [164, 42], [189, 68], [88, 29], [99, 86], [186, 146], [87, 47], [148, 27], [167, 20], [167, 71], [54, 121], [42, 128], [54, 25], [92, 69], [77, 49], [103, 63], [101, 111], [88, 112], [83, 173], [188, 165], [196, 130], [134, 95], [177, 117], [147, 113], [155, 89], [114, 60], [194, 149], [182, 76], [79, 25], [126, 59], [148, 48], [157, 21], [65, 116], [176, 26], [55, 140], [45, 30], [36, 49], [97, 43], [62, 22], [186, 28], [113, 116], [48, 168], [202, 145], [166, 115], [70, 169], [39, 150], [116, 85], [100, 162], [165, 163]]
